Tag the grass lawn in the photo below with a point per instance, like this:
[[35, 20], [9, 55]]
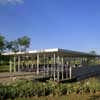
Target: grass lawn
[[4, 68]]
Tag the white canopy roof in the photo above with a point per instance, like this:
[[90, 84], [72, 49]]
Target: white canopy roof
[[54, 50]]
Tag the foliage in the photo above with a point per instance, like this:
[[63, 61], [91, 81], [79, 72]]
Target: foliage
[[93, 52], [20, 44], [13, 46], [24, 43], [2, 43], [24, 88]]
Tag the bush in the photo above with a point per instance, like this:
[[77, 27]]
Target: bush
[[23, 88]]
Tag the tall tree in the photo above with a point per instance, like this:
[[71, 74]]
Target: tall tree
[[2, 43], [13, 46], [9, 46], [24, 43], [93, 52]]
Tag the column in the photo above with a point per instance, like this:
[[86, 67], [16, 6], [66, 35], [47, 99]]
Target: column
[[54, 68], [37, 63], [62, 69], [10, 69], [18, 63], [70, 72], [44, 65], [14, 64], [32, 67], [58, 68], [50, 67], [68, 68], [47, 65]]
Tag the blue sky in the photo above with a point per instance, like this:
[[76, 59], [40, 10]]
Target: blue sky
[[69, 24]]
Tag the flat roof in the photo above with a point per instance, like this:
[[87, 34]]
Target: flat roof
[[53, 50]]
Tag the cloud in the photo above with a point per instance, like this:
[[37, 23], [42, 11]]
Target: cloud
[[11, 1]]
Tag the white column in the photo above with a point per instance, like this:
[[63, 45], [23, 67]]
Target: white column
[[54, 68], [14, 64], [32, 66], [47, 66], [37, 63], [44, 65], [58, 68], [18, 63], [51, 67], [62, 68], [10, 63], [70, 72]]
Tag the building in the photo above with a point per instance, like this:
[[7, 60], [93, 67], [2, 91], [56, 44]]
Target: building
[[55, 63]]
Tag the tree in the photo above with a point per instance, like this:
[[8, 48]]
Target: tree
[[2, 43], [24, 43], [9, 46], [93, 52], [13, 46]]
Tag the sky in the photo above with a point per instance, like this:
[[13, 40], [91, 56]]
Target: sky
[[68, 24]]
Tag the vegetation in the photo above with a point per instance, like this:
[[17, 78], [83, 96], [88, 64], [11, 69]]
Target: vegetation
[[67, 97], [27, 89], [20, 44], [24, 43], [2, 43]]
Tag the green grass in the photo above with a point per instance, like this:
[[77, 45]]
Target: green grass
[[4, 68]]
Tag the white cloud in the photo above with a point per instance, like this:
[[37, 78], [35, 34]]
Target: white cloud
[[11, 1]]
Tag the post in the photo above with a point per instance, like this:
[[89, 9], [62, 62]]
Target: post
[[62, 69], [32, 67], [18, 63], [70, 72], [51, 67], [58, 69], [37, 63], [44, 65], [54, 68], [68, 67], [47, 66], [10, 63], [14, 64]]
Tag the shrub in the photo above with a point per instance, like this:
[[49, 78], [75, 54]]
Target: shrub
[[23, 88]]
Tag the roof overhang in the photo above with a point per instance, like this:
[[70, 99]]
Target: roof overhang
[[51, 51]]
